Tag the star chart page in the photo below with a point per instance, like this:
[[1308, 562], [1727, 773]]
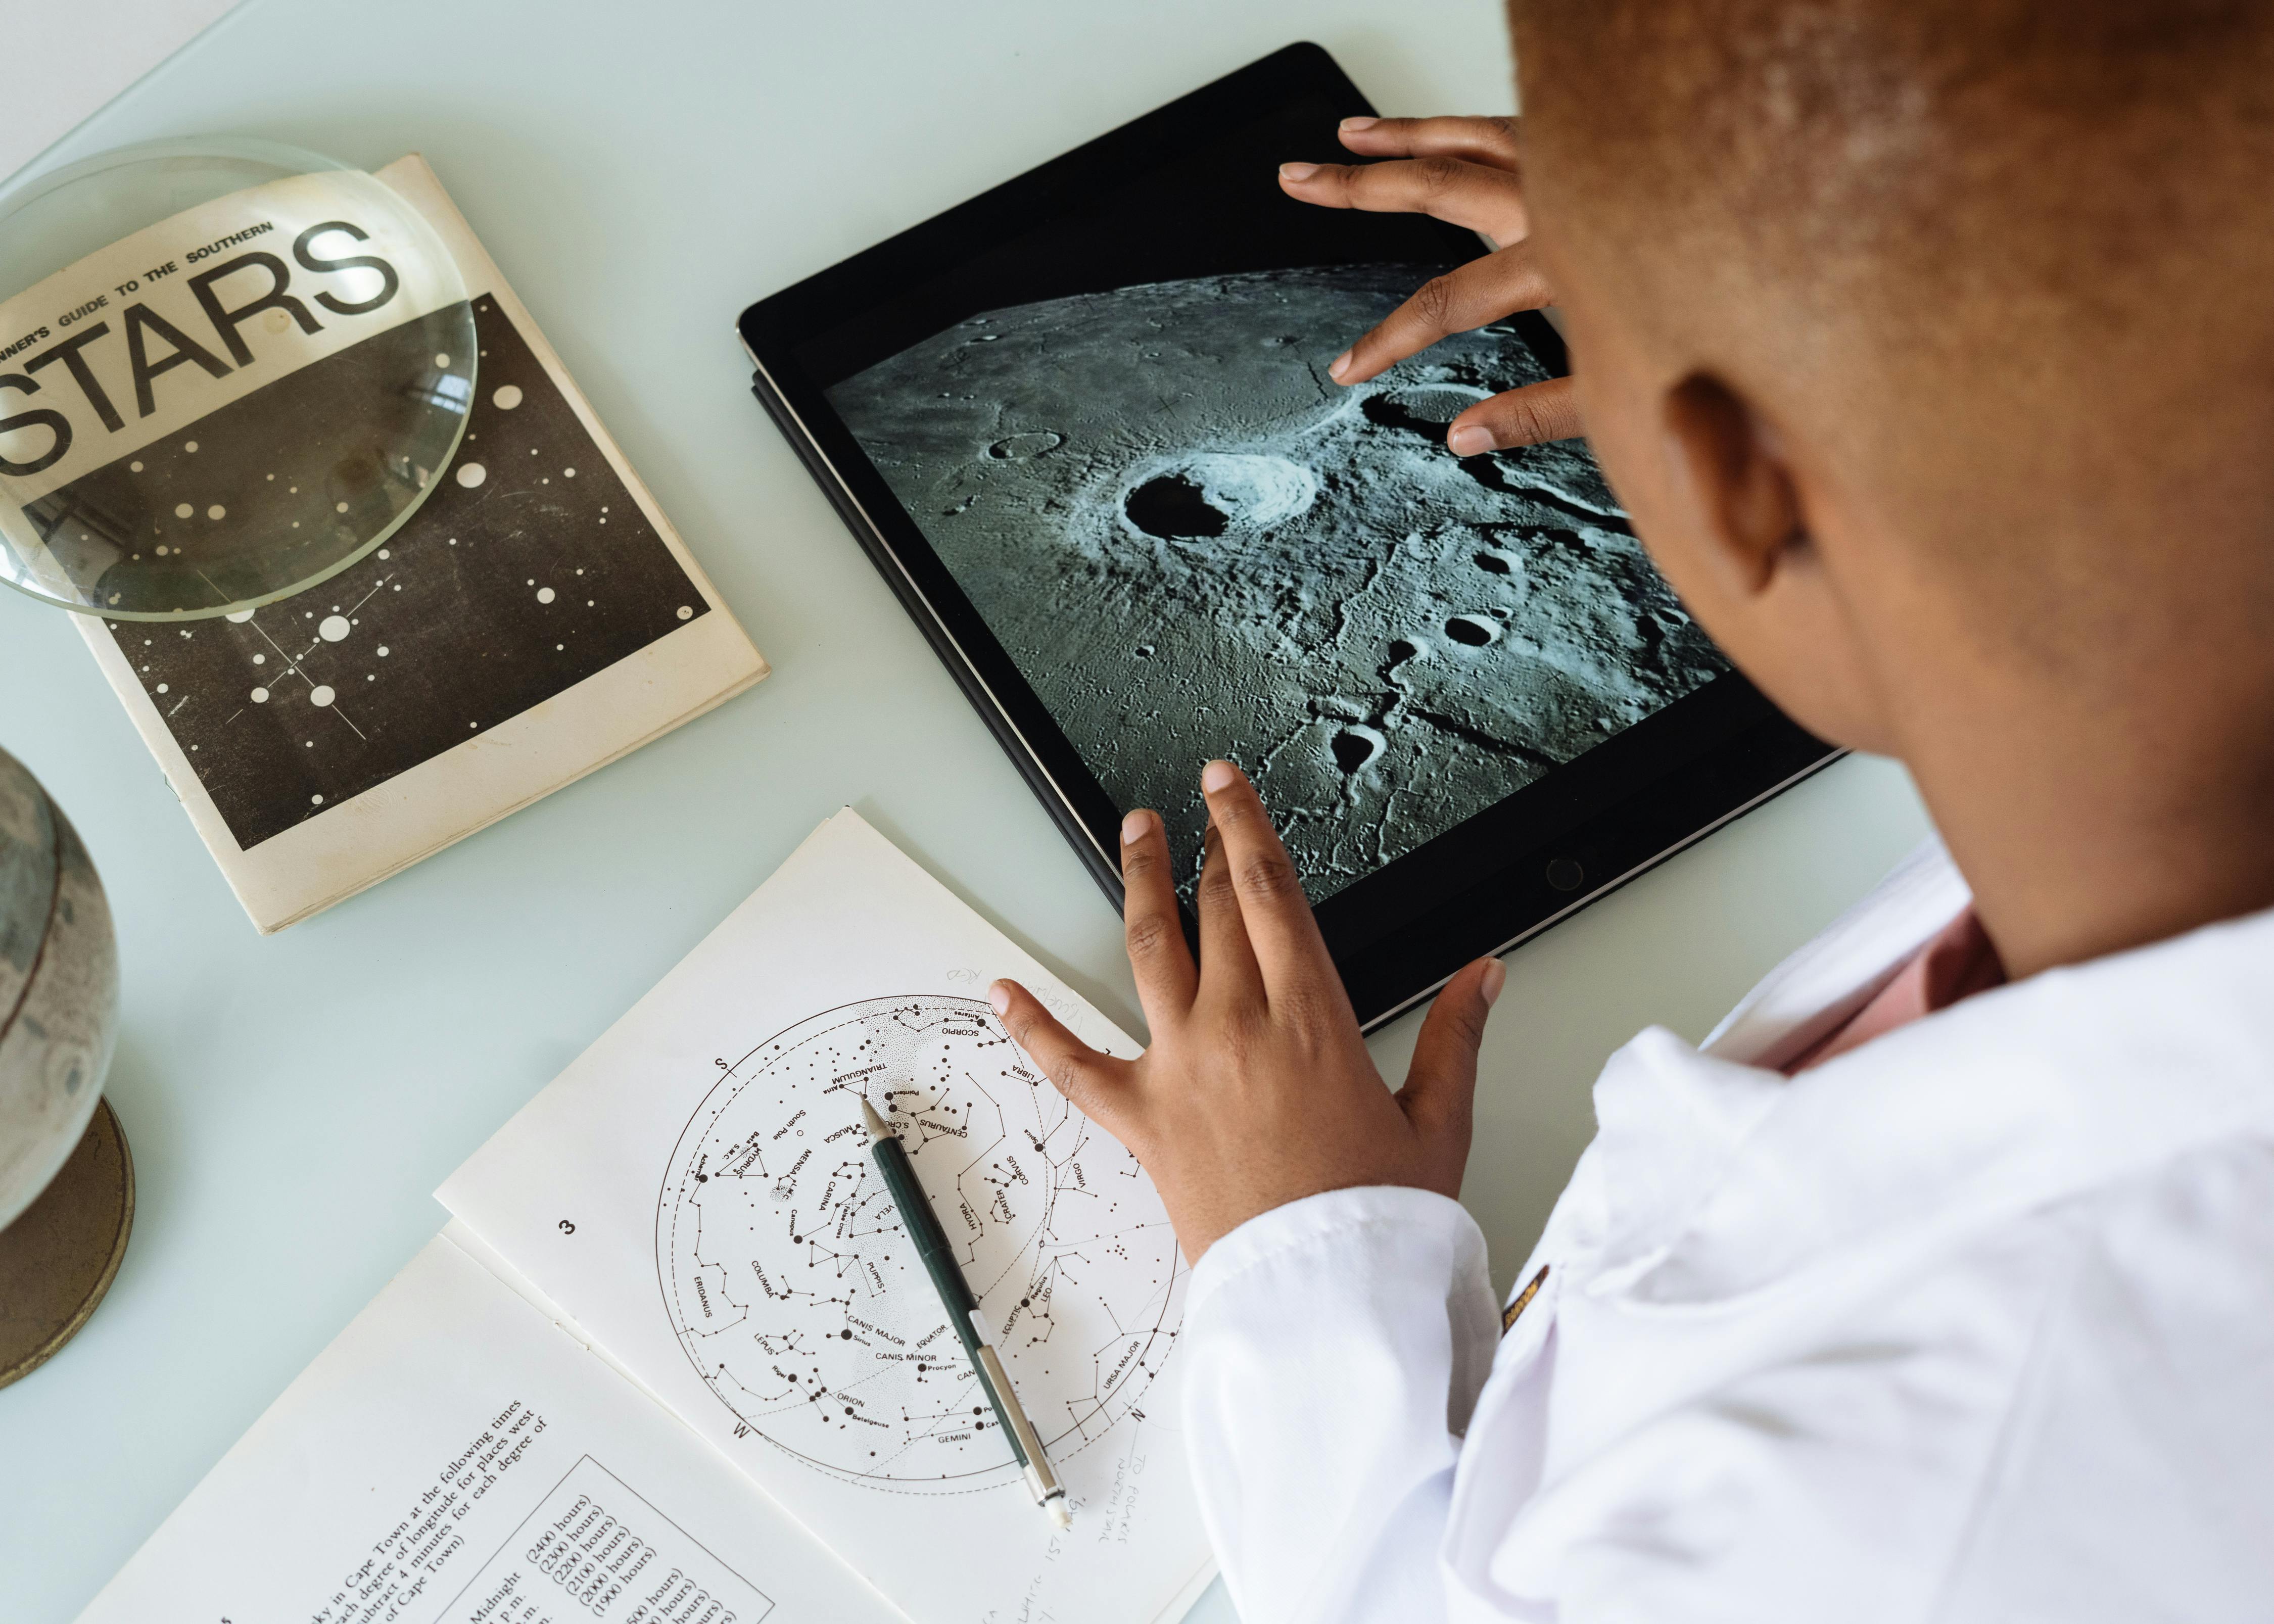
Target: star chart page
[[697, 1193], [452, 1458]]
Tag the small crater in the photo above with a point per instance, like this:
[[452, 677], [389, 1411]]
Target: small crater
[[1492, 563], [1421, 409], [1487, 472], [1144, 650], [1543, 539], [1026, 448], [1174, 508], [1401, 650], [1353, 748], [1468, 629]]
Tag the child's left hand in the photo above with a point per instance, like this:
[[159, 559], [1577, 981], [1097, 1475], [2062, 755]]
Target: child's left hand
[[1468, 172], [1258, 1089]]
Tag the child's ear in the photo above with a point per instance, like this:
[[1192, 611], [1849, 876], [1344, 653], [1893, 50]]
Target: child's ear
[[1741, 494]]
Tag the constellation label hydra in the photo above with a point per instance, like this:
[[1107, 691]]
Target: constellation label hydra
[[799, 1299]]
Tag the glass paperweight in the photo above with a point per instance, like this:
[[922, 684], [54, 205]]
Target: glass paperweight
[[229, 369]]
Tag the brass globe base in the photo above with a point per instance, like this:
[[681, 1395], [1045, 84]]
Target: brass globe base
[[61, 1254]]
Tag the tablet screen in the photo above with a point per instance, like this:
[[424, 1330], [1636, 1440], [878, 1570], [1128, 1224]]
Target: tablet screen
[[1083, 424], [1191, 542]]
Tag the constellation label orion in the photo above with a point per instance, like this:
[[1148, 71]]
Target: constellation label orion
[[801, 1303]]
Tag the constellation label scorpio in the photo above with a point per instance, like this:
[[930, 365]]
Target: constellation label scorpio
[[793, 1291]]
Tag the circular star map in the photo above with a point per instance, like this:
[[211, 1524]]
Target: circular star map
[[802, 1303]]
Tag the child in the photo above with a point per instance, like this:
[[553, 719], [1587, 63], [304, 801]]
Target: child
[[1931, 345]]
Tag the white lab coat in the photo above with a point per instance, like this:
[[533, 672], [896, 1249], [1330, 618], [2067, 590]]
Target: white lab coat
[[1973, 1323]]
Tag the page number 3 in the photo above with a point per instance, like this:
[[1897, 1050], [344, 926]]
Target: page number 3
[[566, 1227]]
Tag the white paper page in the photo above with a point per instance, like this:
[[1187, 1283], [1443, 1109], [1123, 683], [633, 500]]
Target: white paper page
[[454, 1459], [481, 1252], [695, 1193]]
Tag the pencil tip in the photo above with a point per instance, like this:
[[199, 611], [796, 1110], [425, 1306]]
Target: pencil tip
[[877, 1128]]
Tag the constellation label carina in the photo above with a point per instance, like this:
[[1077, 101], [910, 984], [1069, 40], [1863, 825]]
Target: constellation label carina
[[802, 1304]]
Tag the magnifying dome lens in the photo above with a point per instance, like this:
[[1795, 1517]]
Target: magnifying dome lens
[[229, 370]]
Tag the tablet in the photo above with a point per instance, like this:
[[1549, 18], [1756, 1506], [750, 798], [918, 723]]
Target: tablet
[[1082, 423]]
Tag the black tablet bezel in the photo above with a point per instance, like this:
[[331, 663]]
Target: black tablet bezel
[[1503, 874]]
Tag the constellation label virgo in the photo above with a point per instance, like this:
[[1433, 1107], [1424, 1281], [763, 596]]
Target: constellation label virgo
[[802, 1304]]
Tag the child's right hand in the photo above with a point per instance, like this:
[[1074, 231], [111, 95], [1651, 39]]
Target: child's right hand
[[1257, 1089], [1464, 171]]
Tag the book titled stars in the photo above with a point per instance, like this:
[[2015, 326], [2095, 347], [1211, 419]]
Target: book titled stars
[[535, 618]]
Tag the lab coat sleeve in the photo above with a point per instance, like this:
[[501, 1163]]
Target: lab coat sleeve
[[1333, 1351]]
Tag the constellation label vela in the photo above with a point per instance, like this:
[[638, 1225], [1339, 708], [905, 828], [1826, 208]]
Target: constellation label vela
[[802, 1304]]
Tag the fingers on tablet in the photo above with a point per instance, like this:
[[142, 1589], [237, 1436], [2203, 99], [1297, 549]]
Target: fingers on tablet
[[1470, 295], [1472, 195], [1492, 142]]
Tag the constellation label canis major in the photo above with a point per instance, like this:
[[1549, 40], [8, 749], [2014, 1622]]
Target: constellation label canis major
[[800, 1302]]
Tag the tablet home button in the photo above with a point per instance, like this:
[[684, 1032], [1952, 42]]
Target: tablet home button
[[1564, 874]]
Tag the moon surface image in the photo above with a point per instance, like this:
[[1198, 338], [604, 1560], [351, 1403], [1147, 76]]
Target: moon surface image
[[1192, 543]]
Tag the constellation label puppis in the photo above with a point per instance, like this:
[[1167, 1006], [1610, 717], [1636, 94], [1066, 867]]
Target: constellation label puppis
[[800, 1301]]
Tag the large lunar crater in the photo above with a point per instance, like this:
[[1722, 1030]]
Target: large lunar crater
[[1211, 493]]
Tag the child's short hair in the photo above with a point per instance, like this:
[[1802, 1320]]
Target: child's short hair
[[2008, 260], [2078, 154]]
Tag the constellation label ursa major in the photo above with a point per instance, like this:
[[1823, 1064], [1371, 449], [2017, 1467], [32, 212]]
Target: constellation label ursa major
[[802, 1305]]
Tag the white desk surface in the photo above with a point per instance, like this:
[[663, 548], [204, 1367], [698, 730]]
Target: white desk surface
[[87, 53], [642, 172]]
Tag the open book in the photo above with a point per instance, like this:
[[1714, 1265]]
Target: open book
[[672, 1363], [537, 616]]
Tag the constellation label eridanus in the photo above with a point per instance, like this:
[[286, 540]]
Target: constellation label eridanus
[[794, 1290]]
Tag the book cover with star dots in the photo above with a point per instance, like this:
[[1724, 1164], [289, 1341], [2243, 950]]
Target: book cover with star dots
[[535, 618]]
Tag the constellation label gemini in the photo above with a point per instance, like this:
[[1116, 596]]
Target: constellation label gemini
[[802, 1304]]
